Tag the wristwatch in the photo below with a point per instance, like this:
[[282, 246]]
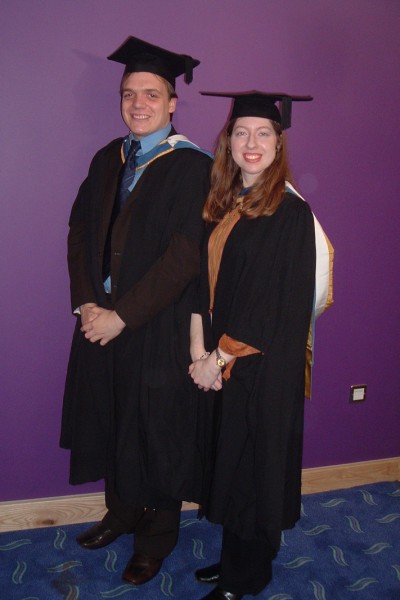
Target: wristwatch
[[221, 362]]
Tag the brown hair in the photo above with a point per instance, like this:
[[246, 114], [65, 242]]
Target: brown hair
[[226, 181]]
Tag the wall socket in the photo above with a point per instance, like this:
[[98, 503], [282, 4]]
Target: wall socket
[[358, 393]]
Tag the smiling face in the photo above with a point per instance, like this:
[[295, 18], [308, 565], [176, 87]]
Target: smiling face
[[146, 105], [253, 145]]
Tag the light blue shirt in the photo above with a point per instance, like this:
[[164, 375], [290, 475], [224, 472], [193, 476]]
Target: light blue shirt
[[147, 143]]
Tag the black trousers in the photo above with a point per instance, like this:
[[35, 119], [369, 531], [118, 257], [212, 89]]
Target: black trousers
[[155, 529], [246, 565]]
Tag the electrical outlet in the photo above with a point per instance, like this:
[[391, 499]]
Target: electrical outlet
[[358, 393]]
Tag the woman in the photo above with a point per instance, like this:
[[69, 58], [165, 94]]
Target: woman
[[258, 285]]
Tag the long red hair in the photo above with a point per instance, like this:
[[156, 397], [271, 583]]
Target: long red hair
[[226, 181]]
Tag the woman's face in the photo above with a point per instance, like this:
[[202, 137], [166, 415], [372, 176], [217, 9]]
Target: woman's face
[[253, 145]]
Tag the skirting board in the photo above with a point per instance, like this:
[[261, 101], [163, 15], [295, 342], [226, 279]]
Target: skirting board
[[85, 508]]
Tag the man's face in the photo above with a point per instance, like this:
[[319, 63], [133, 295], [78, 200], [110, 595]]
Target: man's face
[[145, 103]]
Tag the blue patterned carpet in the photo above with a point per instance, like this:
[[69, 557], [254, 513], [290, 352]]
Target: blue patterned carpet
[[346, 547]]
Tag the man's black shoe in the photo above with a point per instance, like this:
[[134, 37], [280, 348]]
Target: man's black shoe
[[97, 536], [141, 569]]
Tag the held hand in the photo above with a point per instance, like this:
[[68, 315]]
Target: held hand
[[217, 385], [104, 327], [206, 374]]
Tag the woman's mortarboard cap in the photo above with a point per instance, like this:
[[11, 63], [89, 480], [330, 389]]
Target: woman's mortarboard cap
[[261, 104], [138, 56]]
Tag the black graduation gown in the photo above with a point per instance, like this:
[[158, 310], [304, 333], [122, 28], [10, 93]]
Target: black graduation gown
[[130, 410], [263, 297]]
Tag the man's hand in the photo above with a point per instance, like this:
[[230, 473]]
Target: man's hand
[[86, 312], [103, 326]]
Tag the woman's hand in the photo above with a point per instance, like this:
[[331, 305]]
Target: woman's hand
[[206, 374], [103, 326]]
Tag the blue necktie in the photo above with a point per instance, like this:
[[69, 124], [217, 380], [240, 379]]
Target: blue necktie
[[126, 178], [128, 173]]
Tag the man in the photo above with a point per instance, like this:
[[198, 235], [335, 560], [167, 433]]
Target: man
[[130, 410]]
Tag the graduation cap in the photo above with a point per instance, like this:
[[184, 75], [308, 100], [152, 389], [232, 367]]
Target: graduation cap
[[138, 56], [261, 104]]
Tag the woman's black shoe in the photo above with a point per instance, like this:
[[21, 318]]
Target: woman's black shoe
[[218, 594], [209, 574]]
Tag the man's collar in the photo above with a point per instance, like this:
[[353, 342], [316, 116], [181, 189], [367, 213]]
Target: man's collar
[[149, 142]]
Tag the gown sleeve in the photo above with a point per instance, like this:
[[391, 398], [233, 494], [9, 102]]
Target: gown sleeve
[[235, 348], [80, 282]]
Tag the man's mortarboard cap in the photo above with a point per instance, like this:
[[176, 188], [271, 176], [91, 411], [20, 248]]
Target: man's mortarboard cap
[[261, 104], [138, 56]]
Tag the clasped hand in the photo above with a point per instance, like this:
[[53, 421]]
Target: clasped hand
[[100, 324], [206, 374]]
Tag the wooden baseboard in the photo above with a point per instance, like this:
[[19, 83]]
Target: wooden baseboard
[[336, 477], [84, 508]]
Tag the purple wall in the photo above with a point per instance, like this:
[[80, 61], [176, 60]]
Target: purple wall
[[61, 104]]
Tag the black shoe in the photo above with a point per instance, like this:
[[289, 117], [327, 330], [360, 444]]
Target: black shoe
[[208, 574], [97, 536], [218, 594], [141, 569]]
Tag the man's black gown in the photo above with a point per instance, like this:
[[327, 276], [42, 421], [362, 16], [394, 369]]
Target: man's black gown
[[130, 411]]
